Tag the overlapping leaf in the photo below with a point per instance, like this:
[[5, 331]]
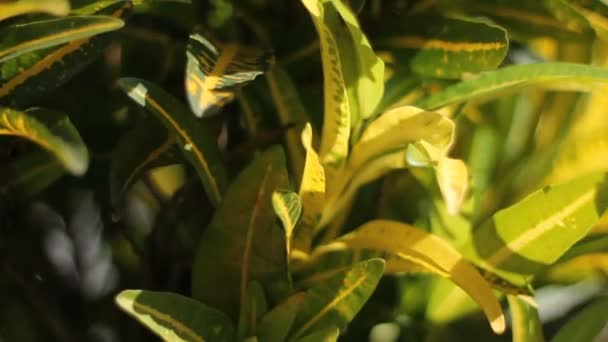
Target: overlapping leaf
[[176, 318], [15, 8], [52, 131], [287, 206], [196, 141], [275, 325], [213, 72], [525, 321], [31, 174], [242, 243]]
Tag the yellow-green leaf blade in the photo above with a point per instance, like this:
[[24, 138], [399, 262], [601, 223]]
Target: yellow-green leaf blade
[[494, 83], [288, 208], [337, 300], [525, 321], [52, 131], [521, 240], [197, 143], [176, 318], [275, 324], [18, 39], [54, 7]]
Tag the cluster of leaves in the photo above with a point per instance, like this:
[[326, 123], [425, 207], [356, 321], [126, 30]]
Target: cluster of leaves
[[282, 168]]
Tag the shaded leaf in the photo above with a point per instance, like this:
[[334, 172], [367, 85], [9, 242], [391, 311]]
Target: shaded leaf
[[30, 174], [336, 301], [176, 318], [22, 38], [255, 307], [329, 334], [196, 141], [50, 130], [275, 325], [242, 243], [14, 8], [586, 325], [494, 83], [213, 72]]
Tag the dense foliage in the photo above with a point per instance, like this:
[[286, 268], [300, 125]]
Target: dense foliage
[[313, 170]]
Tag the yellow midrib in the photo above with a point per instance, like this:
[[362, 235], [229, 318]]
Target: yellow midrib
[[417, 42], [192, 336]]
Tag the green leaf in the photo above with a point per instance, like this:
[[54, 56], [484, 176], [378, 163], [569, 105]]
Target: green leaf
[[26, 78], [522, 239], [176, 318], [213, 72], [495, 83], [50, 130], [449, 48], [288, 207], [426, 250], [242, 243], [336, 301], [353, 76], [275, 325], [146, 146], [30, 174], [15, 8], [312, 193], [580, 156], [196, 141], [525, 321], [329, 334], [22, 38], [586, 325], [255, 307]]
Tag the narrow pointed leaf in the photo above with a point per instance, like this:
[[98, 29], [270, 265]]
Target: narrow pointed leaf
[[176, 318], [494, 83], [428, 251], [15, 8], [18, 39], [586, 325], [525, 322], [196, 141], [242, 243], [336, 301], [213, 72], [52, 131], [275, 325], [312, 193], [450, 48], [288, 208], [329, 334], [521, 240]]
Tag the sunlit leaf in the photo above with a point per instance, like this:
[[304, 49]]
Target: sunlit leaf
[[522, 239], [14, 8], [176, 318], [525, 321], [491, 84], [52, 131], [242, 243], [18, 39], [288, 208], [213, 72], [336, 301], [196, 141]]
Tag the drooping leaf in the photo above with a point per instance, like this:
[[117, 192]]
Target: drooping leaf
[[449, 48], [146, 146], [176, 318], [30, 174], [336, 301], [213, 72], [287, 206], [522, 239], [242, 243], [275, 325], [428, 251], [50, 130], [353, 76], [26, 78], [196, 141], [586, 325], [312, 194], [15, 8], [494, 83], [19, 39], [525, 321]]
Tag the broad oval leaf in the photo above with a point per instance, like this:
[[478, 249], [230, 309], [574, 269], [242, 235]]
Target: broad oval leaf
[[15, 8], [353, 76], [50, 130], [447, 48], [586, 325], [494, 83], [196, 141], [522, 239], [213, 72], [176, 318], [22, 38], [336, 301], [242, 243], [428, 251]]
